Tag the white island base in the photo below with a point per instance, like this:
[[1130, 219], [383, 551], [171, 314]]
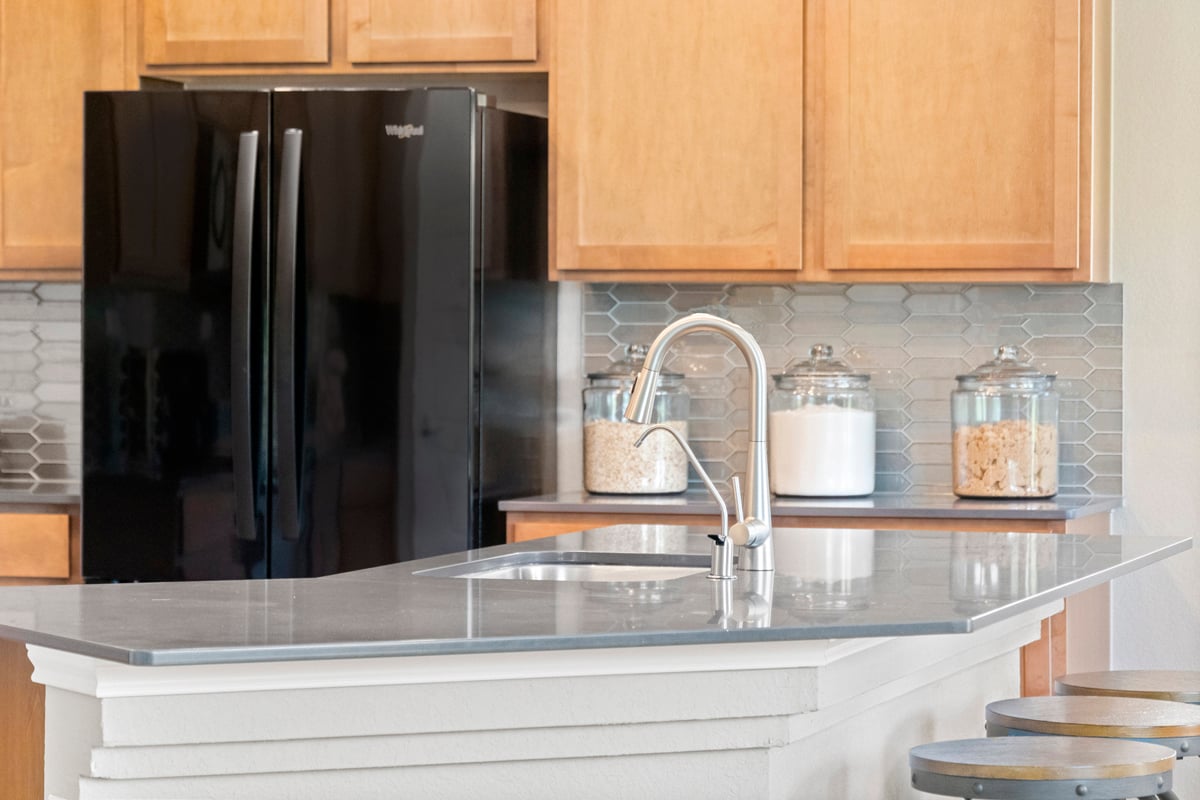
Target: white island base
[[752, 720]]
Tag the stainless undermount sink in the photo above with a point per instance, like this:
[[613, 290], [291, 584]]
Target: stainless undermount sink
[[570, 565]]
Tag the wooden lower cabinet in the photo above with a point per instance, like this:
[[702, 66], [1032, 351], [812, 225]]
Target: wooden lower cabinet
[[22, 725], [525, 525], [36, 548], [1041, 661]]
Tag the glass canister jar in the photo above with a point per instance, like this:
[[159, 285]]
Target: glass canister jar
[[1004, 424], [611, 464], [821, 429]]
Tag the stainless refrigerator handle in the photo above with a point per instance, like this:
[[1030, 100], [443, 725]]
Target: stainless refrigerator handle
[[285, 335], [239, 336]]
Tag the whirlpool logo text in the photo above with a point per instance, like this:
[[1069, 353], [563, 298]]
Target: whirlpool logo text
[[404, 131]]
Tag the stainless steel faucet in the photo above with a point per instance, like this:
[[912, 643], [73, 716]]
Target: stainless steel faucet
[[752, 533]]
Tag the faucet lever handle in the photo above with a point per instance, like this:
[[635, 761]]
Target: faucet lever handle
[[745, 532], [749, 533], [738, 508]]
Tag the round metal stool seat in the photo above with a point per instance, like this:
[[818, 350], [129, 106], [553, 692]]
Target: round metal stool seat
[[1174, 725], [1182, 686], [1041, 768]]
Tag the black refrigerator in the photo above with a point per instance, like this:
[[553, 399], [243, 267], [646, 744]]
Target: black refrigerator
[[317, 331]]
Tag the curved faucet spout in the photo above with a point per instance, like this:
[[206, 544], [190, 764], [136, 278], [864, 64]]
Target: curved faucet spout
[[757, 553]]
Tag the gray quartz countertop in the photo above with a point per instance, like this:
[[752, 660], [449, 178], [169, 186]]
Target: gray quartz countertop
[[913, 505], [38, 493], [827, 585]]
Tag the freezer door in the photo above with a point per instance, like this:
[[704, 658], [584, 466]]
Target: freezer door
[[375, 412], [174, 423], [518, 323]]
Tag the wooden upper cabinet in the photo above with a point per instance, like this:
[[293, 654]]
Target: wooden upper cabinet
[[339, 37], [677, 139], [51, 51], [235, 31], [415, 31], [953, 139]]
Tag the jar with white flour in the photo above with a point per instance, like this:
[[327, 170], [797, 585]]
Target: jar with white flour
[[821, 429]]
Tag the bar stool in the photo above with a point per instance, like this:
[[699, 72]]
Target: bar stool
[[1042, 768], [1182, 686], [1161, 722]]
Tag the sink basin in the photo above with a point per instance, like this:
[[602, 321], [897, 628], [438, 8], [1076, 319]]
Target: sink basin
[[569, 565]]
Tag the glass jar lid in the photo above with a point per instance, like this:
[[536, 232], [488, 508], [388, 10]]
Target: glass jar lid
[[628, 368], [1008, 369], [820, 368]]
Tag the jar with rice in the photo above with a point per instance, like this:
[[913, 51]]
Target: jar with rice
[[611, 463]]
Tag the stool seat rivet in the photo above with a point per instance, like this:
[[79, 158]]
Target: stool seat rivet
[[1081, 790], [977, 788], [1184, 747], [1160, 781]]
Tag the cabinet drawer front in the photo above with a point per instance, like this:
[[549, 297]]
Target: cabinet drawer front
[[235, 32], [34, 546], [416, 31]]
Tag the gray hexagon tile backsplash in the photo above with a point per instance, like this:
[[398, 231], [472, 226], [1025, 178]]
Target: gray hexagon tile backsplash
[[913, 339], [40, 383]]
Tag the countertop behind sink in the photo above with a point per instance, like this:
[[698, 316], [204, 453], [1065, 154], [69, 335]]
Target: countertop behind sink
[[907, 505]]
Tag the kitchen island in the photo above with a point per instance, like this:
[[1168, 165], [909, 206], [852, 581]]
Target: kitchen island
[[413, 680]]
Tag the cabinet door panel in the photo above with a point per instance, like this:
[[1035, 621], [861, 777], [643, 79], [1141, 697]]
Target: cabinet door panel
[[678, 141], [51, 51], [951, 135], [441, 30], [235, 31]]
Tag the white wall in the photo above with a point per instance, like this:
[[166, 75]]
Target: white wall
[[1156, 254]]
